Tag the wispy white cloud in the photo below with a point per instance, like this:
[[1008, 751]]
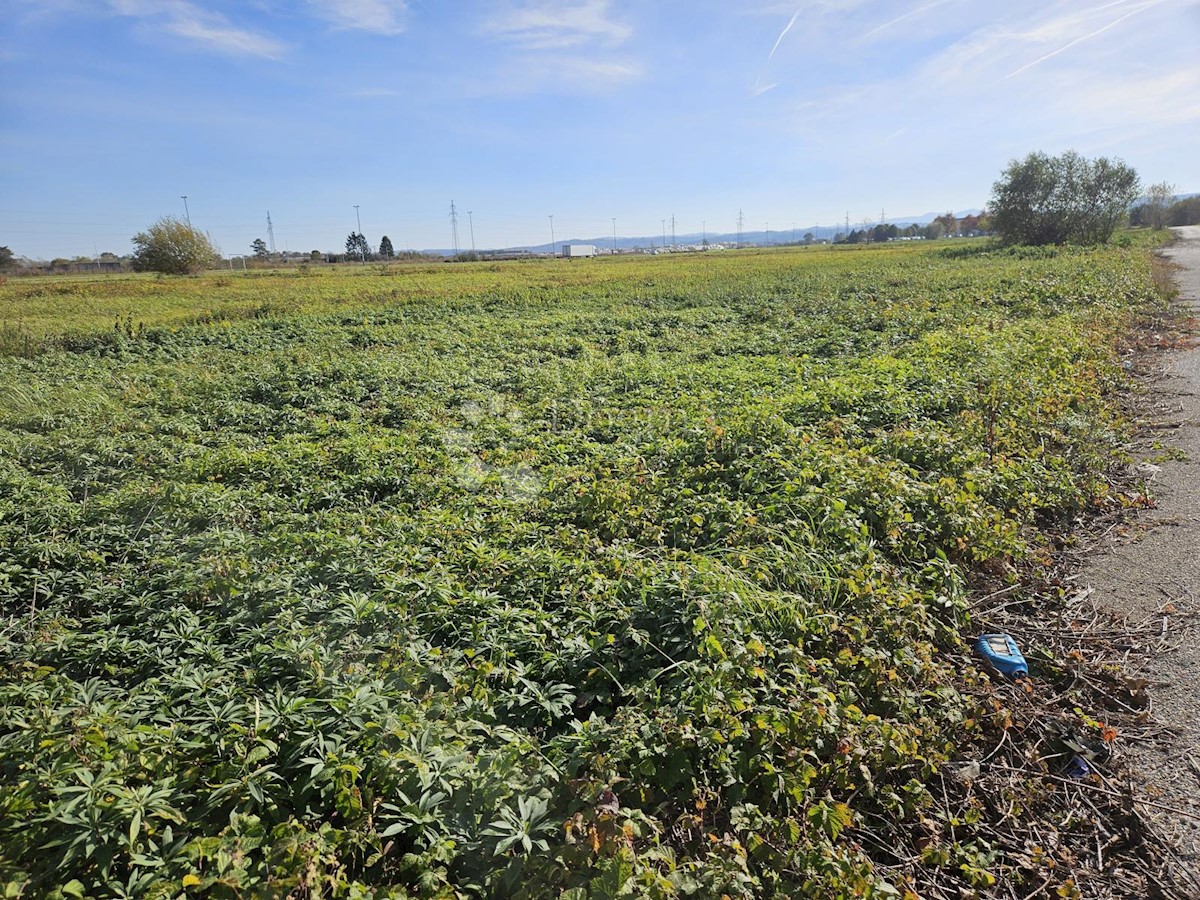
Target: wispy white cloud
[[210, 29], [598, 70], [1083, 37], [541, 32], [1124, 100], [900, 18], [546, 25], [377, 16], [374, 93], [1092, 83], [554, 73], [1066, 24], [1003, 48]]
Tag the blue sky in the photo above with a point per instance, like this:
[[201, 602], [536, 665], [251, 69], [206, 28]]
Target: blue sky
[[795, 112]]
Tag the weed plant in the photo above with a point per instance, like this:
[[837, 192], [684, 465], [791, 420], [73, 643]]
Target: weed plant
[[562, 579]]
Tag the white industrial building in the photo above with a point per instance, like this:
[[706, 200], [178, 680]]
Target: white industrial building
[[577, 251]]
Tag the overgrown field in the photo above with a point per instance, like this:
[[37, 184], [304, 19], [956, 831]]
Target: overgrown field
[[634, 577]]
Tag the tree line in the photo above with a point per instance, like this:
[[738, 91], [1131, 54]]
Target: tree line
[[1162, 210], [1040, 199], [945, 225]]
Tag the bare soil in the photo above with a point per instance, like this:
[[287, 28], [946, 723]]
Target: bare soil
[[1151, 571]]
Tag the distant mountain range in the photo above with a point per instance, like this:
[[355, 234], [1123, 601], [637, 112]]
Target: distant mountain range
[[782, 236]]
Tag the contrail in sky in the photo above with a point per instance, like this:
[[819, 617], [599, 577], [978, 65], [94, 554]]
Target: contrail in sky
[[758, 88], [902, 17], [1077, 40], [779, 40]]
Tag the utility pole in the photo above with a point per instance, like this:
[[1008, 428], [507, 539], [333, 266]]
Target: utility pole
[[362, 241], [553, 249], [741, 220], [614, 235], [187, 215], [664, 223], [454, 227], [703, 233], [847, 234], [673, 244], [471, 220], [767, 231], [270, 232], [793, 232]]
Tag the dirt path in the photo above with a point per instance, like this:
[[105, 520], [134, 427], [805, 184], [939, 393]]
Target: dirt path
[[1154, 571]]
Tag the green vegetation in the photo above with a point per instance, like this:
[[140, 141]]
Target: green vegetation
[[621, 577], [1159, 210], [173, 247], [1044, 199]]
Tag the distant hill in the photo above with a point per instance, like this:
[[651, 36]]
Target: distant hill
[[782, 236]]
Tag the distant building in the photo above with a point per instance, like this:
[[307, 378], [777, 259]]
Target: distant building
[[576, 251]]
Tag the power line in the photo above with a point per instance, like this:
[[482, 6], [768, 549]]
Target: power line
[[454, 227], [740, 221], [673, 230], [271, 231]]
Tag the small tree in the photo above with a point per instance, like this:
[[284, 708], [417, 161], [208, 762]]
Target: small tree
[[315, 256], [173, 248], [1055, 199], [949, 223], [1158, 204], [385, 247], [357, 246], [259, 246], [6, 259]]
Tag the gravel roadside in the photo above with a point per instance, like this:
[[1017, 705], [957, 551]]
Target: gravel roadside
[[1154, 571]]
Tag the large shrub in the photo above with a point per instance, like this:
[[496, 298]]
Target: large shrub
[[173, 248], [1062, 199]]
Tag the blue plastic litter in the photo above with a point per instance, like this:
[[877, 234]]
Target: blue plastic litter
[[1002, 653], [1077, 767]]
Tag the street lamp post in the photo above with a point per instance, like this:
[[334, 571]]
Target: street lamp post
[[471, 220], [187, 215], [362, 250]]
